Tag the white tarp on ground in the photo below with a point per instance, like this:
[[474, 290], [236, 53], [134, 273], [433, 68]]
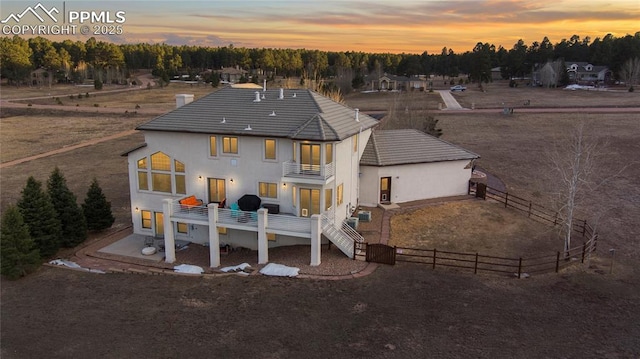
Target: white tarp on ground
[[70, 264], [239, 267], [188, 268], [279, 270]]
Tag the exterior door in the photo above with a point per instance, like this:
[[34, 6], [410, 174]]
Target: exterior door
[[159, 225], [310, 157], [385, 189], [309, 202], [217, 191]]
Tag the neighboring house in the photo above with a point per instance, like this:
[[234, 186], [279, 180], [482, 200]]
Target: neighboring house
[[407, 165], [386, 82], [585, 73], [232, 74], [298, 151], [40, 77]]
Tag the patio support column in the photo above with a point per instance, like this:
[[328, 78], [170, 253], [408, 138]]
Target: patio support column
[[263, 243], [169, 240], [316, 234], [214, 236]]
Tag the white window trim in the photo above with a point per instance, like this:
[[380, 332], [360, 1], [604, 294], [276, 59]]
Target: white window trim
[[229, 154], [277, 197], [264, 150]]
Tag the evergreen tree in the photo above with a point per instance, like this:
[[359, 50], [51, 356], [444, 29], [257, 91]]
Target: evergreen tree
[[74, 225], [97, 210], [19, 253], [41, 218]]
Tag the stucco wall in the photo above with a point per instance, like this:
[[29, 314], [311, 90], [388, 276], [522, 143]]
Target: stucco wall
[[415, 181]]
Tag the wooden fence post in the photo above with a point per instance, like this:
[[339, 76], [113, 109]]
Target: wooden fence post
[[530, 208], [584, 227], [434, 258], [506, 199], [584, 249], [475, 268], [555, 219], [519, 267], [558, 262]]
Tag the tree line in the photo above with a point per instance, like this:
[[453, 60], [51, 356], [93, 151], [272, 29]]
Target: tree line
[[47, 219], [110, 63]]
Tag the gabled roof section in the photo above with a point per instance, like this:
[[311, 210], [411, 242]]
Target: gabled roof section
[[399, 147], [300, 114]]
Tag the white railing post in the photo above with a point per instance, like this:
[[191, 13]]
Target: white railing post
[[316, 234], [263, 242], [169, 240], [214, 236]]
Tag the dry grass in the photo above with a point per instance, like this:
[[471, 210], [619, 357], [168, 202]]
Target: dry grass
[[473, 226], [157, 98], [498, 95], [40, 131]]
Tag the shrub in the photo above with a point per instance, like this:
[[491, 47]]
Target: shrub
[[97, 84], [71, 216], [40, 216], [96, 208], [18, 252]]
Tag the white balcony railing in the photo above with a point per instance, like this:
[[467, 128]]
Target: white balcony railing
[[294, 169], [187, 211]]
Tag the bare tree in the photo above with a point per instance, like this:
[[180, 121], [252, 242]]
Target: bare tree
[[579, 166], [548, 75], [573, 160], [409, 110], [630, 72]]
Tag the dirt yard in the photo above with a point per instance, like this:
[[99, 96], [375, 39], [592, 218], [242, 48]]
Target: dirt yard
[[400, 312], [405, 311]]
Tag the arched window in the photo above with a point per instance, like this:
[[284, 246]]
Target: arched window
[[161, 174]]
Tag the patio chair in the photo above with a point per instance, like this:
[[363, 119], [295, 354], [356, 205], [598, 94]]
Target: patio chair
[[235, 210]]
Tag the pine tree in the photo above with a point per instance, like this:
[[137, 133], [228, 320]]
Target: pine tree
[[74, 225], [41, 218], [19, 253], [97, 210]]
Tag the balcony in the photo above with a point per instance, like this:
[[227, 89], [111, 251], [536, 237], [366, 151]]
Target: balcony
[[287, 224], [305, 173]]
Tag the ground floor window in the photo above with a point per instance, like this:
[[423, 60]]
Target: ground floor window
[[182, 227], [146, 219]]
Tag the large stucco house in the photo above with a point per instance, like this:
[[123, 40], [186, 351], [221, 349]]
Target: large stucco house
[[308, 160]]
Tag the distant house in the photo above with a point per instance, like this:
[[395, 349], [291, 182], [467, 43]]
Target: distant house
[[585, 73], [231, 74], [386, 82], [407, 165], [40, 77]]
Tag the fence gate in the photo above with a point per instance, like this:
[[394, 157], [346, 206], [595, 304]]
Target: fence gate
[[381, 253], [481, 190]]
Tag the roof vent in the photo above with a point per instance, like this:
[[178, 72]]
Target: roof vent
[[294, 95], [273, 113], [281, 97], [264, 85], [357, 115], [257, 99], [248, 128], [224, 120]]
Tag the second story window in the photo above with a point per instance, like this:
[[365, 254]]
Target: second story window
[[159, 173], [269, 149], [213, 146], [268, 190], [230, 145]]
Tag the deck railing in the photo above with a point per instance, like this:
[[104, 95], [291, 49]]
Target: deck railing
[[294, 169]]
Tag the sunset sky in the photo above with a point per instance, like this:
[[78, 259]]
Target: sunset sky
[[409, 26]]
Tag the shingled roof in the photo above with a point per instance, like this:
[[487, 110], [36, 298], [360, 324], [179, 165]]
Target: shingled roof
[[300, 114], [399, 147]]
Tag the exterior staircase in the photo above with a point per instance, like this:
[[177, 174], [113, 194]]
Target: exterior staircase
[[343, 236]]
